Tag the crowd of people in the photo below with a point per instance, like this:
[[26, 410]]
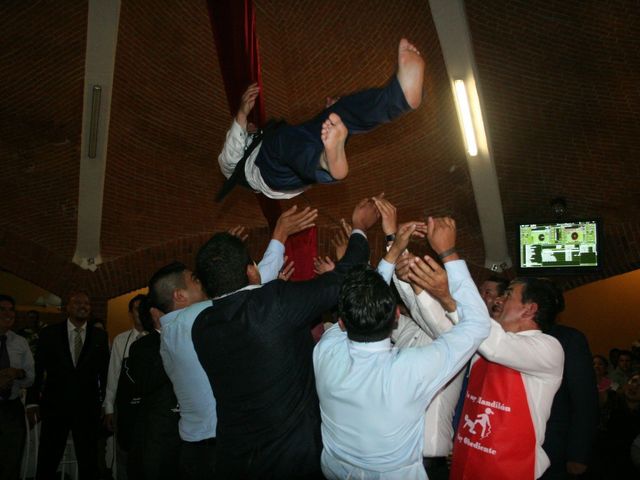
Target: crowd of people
[[419, 374]]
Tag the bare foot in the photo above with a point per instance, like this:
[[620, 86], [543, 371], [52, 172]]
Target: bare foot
[[410, 72], [334, 158]]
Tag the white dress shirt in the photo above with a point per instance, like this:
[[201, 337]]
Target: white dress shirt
[[373, 396], [198, 419], [538, 357], [20, 357], [438, 418], [415, 331], [119, 351], [71, 332]]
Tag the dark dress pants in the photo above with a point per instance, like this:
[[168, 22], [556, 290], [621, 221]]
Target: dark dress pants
[[198, 460], [12, 435], [53, 439], [288, 159], [293, 455]]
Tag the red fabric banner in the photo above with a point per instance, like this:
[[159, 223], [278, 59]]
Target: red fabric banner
[[495, 439], [234, 31]]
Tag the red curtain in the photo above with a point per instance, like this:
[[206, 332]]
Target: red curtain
[[234, 31]]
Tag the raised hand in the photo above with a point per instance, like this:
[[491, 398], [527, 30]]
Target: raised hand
[[246, 104], [287, 270], [388, 214], [365, 215], [400, 243], [419, 232], [323, 265], [441, 233], [341, 239], [239, 231], [430, 276], [292, 221], [403, 266]]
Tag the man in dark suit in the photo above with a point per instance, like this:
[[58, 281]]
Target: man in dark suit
[[255, 345], [155, 441], [571, 428], [73, 356]]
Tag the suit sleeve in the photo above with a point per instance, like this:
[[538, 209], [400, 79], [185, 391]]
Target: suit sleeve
[[40, 360], [357, 253], [103, 364], [583, 397], [145, 368]]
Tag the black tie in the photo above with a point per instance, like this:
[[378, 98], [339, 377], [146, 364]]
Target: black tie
[[4, 363]]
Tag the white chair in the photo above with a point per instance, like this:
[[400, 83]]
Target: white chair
[[31, 442], [69, 460], [30, 454]]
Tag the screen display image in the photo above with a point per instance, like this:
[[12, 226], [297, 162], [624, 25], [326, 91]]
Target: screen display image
[[559, 245]]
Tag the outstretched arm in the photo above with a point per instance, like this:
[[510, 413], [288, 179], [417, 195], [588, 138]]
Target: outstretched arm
[[236, 139], [246, 104]]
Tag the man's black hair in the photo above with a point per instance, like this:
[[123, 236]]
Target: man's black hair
[[547, 295], [162, 285], [8, 298], [144, 313], [135, 299], [221, 264], [502, 283], [626, 353], [366, 306]]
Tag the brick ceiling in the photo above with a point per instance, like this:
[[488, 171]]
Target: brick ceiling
[[559, 81]]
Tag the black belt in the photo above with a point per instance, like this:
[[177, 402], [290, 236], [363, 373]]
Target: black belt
[[430, 462], [206, 441], [9, 402]]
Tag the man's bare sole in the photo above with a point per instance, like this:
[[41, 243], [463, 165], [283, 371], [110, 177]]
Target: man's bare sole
[[410, 72], [334, 135]]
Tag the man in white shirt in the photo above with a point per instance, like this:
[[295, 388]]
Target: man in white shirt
[[119, 353], [16, 373], [416, 330], [288, 160], [372, 396], [512, 383]]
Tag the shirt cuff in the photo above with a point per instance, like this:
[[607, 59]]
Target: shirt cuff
[[108, 408], [455, 266], [385, 269], [237, 130], [361, 232]]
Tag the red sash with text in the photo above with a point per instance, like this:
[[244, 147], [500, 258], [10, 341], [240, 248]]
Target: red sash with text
[[495, 438]]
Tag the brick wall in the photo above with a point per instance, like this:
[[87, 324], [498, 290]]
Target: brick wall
[[559, 89]]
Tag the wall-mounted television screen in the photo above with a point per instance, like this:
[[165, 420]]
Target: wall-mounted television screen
[[569, 247]]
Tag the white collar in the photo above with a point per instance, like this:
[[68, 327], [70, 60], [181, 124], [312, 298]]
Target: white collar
[[72, 328], [378, 346], [248, 287]]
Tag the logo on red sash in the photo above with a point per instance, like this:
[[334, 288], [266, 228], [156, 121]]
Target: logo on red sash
[[495, 438]]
